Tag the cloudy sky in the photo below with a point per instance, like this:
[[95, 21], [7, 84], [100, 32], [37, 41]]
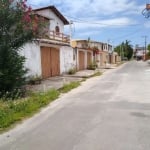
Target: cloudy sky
[[103, 20]]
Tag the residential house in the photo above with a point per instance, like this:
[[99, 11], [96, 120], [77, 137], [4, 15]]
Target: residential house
[[93, 51], [84, 55], [50, 54], [114, 58], [139, 53]]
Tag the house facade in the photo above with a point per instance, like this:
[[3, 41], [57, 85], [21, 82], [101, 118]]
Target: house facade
[[92, 51], [51, 54], [140, 53], [84, 55]]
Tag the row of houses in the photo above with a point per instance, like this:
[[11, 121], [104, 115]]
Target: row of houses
[[140, 53], [54, 53]]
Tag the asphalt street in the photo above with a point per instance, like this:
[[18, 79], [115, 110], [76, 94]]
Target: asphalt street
[[110, 112]]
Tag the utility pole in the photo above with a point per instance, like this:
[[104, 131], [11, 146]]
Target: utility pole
[[70, 24], [145, 40]]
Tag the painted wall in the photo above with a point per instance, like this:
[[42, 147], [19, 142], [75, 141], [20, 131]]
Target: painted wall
[[105, 59], [114, 58], [33, 58], [54, 20], [85, 57], [32, 53], [96, 44], [67, 59]]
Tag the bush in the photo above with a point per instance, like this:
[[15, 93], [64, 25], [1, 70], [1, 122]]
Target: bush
[[17, 27], [92, 66], [35, 79], [72, 71]]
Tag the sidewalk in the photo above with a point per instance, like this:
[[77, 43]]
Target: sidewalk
[[59, 81]]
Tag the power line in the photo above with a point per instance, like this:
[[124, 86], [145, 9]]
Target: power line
[[98, 23], [129, 34]]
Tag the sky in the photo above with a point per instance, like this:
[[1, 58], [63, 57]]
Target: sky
[[110, 21]]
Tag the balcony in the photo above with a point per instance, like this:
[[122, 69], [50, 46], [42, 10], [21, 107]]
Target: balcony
[[58, 37]]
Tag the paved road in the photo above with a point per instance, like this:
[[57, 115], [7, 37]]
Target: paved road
[[111, 112]]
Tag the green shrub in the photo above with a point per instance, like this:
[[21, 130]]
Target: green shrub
[[92, 66], [35, 79], [16, 29], [72, 71]]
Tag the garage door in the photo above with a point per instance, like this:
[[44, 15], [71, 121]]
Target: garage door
[[89, 60], [50, 62], [81, 60]]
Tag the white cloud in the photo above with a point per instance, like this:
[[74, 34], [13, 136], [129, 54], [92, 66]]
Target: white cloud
[[107, 23], [147, 24], [90, 7]]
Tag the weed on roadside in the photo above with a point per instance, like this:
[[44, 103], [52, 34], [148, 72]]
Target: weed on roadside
[[68, 87], [13, 111]]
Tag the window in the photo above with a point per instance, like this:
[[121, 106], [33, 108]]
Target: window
[[57, 30]]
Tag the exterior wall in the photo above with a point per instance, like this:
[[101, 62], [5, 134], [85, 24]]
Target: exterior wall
[[32, 53], [82, 44], [105, 56], [74, 44], [85, 57], [113, 58], [54, 20], [118, 58], [105, 47], [66, 59], [98, 60], [96, 44], [102, 59]]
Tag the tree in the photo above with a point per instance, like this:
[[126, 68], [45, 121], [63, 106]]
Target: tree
[[17, 26], [148, 48], [124, 49], [128, 50]]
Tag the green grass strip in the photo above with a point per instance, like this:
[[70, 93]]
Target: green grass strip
[[68, 87], [13, 111]]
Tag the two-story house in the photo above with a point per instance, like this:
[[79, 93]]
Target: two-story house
[[139, 52], [92, 51], [50, 54], [84, 55]]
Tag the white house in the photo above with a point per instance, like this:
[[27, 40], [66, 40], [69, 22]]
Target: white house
[[51, 54]]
